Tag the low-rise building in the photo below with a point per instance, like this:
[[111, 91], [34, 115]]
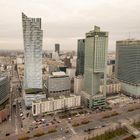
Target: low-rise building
[[78, 84], [20, 59], [111, 88], [55, 104], [57, 83], [4, 114], [96, 101], [71, 72], [4, 89], [29, 98], [110, 70]]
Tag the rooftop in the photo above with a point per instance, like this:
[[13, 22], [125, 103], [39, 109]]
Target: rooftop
[[55, 98], [60, 73]]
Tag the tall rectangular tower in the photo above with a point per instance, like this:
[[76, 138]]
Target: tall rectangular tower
[[128, 66], [96, 44], [57, 48], [80, 57], [32, 35]]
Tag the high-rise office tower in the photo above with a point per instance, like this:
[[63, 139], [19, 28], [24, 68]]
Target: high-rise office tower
[[80, 57], [96, 44], [32, 35], [128, 66], [57, 48]]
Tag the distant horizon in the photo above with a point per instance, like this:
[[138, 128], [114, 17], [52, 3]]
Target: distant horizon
[[109, 51]]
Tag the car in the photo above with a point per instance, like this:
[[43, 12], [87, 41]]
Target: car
[[23, 118], [67, 131], [7, 134], [42, 119], [21, 114], [103, 125], [27, 115], [21, 125], [77, 115], [95, 127], [99, 127], [39, 122], [36, 126], [28, 132], [34, 122], [47, 124]]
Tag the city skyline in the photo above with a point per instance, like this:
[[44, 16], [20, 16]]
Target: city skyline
[[70, 70], [66, 27]]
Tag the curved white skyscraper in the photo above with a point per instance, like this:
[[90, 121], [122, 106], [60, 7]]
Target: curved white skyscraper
[[32, 35]]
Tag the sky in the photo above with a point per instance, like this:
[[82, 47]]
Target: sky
[[65, 21]]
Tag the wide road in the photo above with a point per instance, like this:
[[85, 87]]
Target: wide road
[[96, 123]]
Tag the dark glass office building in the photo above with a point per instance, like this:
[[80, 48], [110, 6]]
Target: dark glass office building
[[80, 57], [128, 66]]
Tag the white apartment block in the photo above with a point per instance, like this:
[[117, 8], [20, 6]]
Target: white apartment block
[[111, 88], [78, 84], [55, 104]]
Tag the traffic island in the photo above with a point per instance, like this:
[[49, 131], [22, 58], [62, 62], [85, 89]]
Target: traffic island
[[23, 137], [52, 130], [83, 122], [110, 114]]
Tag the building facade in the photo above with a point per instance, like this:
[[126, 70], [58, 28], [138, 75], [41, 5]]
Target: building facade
[[111, 88], [55, 104], [57, 48], [4, 114], [80, 57], [110, 70], [96, 44], [32, 35], [78, 84], [71, 72], [57, 83], [67, 62], [128, 66], [94, 102], [4, 89], [29, 98]]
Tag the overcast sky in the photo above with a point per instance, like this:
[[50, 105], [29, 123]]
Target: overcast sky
[[65, 21]]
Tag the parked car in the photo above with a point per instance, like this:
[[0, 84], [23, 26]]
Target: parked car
[[7, 134]]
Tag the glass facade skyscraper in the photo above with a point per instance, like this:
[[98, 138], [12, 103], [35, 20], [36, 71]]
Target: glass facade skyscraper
[[96, 44], [32, 35], [57, 48], [80, 57], [128, 66]]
